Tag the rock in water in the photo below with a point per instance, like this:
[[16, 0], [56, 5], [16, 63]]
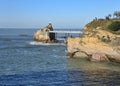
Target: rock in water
[[98, 57], [43, 35]]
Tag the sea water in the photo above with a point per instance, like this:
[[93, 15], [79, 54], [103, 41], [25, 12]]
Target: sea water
[[24, 62]]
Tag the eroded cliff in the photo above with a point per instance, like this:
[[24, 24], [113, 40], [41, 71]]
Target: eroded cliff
[[97, 43]]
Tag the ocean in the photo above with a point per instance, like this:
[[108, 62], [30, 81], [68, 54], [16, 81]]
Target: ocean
[[24, 62]]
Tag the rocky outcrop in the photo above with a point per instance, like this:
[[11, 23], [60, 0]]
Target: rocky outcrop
[[93, 49], [99, 57], [43, 35], [96, 44]]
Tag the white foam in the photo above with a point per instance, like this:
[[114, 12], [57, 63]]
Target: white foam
[[40, 43]]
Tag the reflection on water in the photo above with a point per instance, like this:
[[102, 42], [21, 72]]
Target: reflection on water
[[78, 72], [93, 78], [63, 78], [85, 64], [92, 73]]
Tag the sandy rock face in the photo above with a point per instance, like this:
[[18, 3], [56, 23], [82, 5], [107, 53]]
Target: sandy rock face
[[43, 35], [98, 42], [93, 48]]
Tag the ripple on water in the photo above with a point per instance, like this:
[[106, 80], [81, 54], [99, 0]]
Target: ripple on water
[[63, 78], [28, 63]]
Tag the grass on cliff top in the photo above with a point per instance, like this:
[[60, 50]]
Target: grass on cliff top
[[108, 25]]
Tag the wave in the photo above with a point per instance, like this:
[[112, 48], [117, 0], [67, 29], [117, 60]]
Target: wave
[[44, 44]]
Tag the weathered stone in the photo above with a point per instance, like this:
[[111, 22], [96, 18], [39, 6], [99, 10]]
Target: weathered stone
[[43, 35], [98, 57], [114, 59], [80, 55], [91, 44]]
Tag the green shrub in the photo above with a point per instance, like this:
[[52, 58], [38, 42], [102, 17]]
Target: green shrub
[[114, 26], [99, 23]]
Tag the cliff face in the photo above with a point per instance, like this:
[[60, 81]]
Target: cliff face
[[96, 44], [43, 35]]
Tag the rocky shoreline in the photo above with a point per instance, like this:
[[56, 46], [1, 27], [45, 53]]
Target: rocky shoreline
[[96, 44], [92, 50]]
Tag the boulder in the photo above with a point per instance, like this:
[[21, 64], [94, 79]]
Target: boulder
[[43, 34], [99, 57], [80, 55]]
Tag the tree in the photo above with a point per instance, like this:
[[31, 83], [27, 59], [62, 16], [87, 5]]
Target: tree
[[117, 14], [108, 17]]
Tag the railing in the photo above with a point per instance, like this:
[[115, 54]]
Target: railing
[[77, 32]]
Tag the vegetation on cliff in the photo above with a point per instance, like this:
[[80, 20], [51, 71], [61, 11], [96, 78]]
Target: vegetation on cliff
[[110, 24], [114, 26], [100, 40]]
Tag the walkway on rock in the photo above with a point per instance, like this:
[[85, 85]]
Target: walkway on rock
[[64, 34], [62, 31]]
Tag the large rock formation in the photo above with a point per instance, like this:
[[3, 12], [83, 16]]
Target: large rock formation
[[43, 35], [96, 44]]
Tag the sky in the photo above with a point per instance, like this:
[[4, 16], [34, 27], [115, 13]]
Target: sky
[[61, 13]]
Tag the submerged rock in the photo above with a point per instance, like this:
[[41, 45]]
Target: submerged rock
[[43, 35]]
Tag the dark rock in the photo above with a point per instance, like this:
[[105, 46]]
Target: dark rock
[[69, 54]]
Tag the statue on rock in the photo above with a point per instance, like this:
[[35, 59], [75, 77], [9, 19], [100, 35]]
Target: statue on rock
[[43, 35]]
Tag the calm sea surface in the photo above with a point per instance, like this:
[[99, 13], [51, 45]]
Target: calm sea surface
[[24, 62]]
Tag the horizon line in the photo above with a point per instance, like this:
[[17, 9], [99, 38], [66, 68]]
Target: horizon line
[[33, 28]]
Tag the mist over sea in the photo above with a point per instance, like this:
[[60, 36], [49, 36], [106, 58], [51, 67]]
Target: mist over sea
[[24, 62]]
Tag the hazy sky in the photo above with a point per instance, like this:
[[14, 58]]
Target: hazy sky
[[61, 13]]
